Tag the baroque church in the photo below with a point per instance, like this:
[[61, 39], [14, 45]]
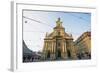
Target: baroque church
[[58, 44]]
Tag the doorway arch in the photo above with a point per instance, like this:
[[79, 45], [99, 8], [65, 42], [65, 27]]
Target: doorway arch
[[68, 54], [48, 54]]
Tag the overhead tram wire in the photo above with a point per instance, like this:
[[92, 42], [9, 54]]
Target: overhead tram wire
[[37, 21], [49, 25], [79, 17]]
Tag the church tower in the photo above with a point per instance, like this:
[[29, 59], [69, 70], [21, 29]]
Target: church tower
[[58, 44]]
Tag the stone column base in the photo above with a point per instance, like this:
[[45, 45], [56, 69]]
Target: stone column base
[[64, 56], [52, 56]]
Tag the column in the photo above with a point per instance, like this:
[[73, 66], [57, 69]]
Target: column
[[45, 45], [65, 46], [52, 47]]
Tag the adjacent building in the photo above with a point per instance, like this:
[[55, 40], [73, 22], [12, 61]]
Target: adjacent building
[[83, 46], [29, 55]]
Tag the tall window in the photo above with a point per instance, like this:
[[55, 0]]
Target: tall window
[[59, 44], [59, 33]]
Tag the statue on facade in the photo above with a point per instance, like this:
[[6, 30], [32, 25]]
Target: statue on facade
[[58, 22]]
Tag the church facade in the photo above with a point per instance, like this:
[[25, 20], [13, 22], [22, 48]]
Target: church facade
[[58, 44]]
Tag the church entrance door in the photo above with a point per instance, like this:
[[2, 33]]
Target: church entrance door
[[58, 54]]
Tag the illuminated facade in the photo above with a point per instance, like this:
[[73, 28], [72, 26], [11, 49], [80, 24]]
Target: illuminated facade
[[58, 44]]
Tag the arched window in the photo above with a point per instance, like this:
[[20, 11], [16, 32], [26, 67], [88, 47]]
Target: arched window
[[59, 33], [59, 53], [59, 44]]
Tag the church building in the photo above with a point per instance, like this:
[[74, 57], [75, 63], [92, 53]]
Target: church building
[[58, 45]]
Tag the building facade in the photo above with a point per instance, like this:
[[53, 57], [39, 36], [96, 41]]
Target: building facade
[[83, 45], [58, 44]]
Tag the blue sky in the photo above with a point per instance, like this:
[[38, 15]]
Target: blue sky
[[37, 23]]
